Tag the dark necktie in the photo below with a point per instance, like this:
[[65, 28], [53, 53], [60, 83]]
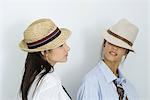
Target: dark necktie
[[66, 92], [120, 90]]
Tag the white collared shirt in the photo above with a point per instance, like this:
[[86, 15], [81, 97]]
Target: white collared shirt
[[98, 85], [49, 88]]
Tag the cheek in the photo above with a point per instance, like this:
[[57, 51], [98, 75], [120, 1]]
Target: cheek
[[56, 56], [106, 51], [122, 54]]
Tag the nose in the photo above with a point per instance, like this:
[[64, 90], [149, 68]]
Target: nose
[[114, 47]]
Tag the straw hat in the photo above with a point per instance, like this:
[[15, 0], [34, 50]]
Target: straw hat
[[42, 35], [122, 34]]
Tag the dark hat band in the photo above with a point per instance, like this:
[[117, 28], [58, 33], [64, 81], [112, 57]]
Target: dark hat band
[[44, 40], [119, 37]]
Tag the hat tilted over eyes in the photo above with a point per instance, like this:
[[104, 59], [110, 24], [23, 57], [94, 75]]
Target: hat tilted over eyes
[[122, 34], [42, 35]]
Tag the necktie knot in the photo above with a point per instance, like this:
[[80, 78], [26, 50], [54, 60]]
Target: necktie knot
[[119, 81]]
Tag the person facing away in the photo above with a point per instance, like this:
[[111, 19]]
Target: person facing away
[[106, 81], [45, 45]]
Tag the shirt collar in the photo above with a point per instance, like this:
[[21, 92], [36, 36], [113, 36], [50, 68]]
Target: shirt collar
[[108, 74]]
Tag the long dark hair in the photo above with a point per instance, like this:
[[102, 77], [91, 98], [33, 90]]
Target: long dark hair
[[34, 64]]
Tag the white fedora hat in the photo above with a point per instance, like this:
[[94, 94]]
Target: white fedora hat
[[122, 34], [42, 35]]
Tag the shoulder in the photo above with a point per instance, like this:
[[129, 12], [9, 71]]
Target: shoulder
[[50, 80], [48, 83], [90, 87], [93, 76]]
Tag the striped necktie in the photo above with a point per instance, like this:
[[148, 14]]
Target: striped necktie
[[120, 90]]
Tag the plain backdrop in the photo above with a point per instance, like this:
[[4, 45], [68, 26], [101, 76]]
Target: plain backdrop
[[86, 19]]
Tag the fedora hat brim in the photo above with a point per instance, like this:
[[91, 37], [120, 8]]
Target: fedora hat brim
[[116, 41], [65, 33]]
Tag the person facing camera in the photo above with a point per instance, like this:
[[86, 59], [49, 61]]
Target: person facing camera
[[45, 45], [106, 81]]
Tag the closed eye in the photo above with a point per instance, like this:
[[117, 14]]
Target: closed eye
[[61, 45]]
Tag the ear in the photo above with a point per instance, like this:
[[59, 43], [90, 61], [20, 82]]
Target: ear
[[43, 53], [126, 52]]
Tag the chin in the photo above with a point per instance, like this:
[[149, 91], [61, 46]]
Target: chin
[[64, 60], [112, 59]]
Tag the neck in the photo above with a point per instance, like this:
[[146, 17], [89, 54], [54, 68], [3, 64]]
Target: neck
[[112, 65], [51, 62]]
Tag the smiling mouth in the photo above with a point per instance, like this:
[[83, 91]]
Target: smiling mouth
[[113, 53]]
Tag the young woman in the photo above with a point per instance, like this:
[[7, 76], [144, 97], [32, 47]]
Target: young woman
[[105, 81], [46, 46]]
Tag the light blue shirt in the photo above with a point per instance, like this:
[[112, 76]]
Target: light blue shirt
[[98, 85]]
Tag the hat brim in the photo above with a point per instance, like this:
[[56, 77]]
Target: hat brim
[[61, 39], [116, 41]]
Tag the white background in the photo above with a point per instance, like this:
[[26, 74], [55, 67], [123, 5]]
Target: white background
[[86, 19]]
